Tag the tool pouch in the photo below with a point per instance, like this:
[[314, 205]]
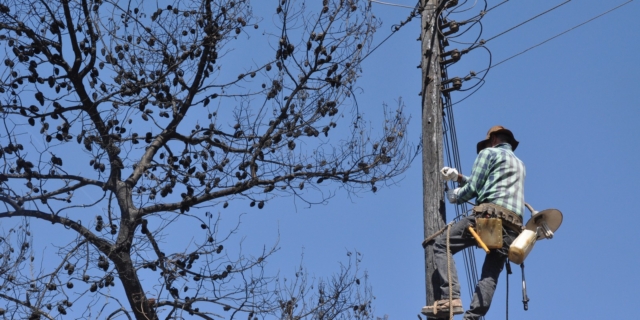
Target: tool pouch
[[490, 231], [509, 218]]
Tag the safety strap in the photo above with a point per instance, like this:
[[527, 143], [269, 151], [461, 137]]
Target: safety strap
[[433, 236]]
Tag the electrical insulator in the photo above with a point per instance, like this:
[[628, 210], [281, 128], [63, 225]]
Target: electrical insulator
[[456, 84], [454, 54], [470, 76], [453, 28]]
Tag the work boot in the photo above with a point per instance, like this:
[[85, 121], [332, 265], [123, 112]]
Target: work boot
[[440, 309]]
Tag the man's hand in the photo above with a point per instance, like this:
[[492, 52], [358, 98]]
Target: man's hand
[[449, 174], [452, 195]]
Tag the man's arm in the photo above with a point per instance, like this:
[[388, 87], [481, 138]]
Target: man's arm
[[462, 179], [470, 185]]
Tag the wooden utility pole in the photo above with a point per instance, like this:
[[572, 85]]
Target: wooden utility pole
[[432, 147]]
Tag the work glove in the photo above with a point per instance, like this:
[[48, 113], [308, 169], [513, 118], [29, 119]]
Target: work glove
[[449, 174], [452, 195]]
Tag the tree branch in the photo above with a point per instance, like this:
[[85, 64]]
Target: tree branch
[[100, 243]]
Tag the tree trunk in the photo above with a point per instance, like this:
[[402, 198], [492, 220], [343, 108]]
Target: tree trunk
[[132, 287], [122, 256]]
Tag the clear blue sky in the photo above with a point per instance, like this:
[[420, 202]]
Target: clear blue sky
[[572, 103]]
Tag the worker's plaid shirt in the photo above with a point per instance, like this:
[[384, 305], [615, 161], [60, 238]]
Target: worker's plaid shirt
[[497, 177]]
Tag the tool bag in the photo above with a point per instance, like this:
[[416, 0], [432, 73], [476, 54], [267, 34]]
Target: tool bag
[[490, 218]]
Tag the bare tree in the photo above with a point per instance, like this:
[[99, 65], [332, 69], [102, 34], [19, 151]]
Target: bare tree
[[120, 118]]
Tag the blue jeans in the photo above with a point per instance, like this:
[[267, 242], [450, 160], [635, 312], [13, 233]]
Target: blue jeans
[[459, 239]]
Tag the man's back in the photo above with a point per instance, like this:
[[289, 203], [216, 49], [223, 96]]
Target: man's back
[[497, 177]]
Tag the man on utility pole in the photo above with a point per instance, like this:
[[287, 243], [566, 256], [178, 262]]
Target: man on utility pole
[[432, 156], [497, 183]]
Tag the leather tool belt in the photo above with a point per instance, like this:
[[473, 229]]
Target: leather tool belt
[[509, 218]]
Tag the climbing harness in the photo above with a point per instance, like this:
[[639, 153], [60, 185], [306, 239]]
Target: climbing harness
[[490, 218], [509, 218]]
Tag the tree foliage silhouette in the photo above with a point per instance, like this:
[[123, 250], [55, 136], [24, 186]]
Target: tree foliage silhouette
[[123, 120]]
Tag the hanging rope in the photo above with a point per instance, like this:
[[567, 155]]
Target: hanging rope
[[449, 272], [508, 267], [424, 244], [507, 303]]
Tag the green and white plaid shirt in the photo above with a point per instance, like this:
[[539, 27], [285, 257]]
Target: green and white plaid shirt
[[497, 177]]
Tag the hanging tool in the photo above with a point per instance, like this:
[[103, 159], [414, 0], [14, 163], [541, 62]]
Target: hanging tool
[[525, 298], [477, 237]]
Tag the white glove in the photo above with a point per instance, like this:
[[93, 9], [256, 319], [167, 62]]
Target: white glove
[[452, 195], [449, 174]]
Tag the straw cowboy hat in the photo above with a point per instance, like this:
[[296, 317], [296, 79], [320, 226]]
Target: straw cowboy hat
[[495, 129]]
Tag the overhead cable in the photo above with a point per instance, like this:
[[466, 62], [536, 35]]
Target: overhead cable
[[463, 10], [485, 10], [394, 28], [526, 21], [559, 34], [391, 4], [482, 82], [452, 156]]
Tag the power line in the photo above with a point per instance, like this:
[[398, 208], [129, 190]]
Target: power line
[[392, 4], [485, 10], [470, 76], [394, 28], [559, 34], [526, 21], [452, 158], [463, 10]]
